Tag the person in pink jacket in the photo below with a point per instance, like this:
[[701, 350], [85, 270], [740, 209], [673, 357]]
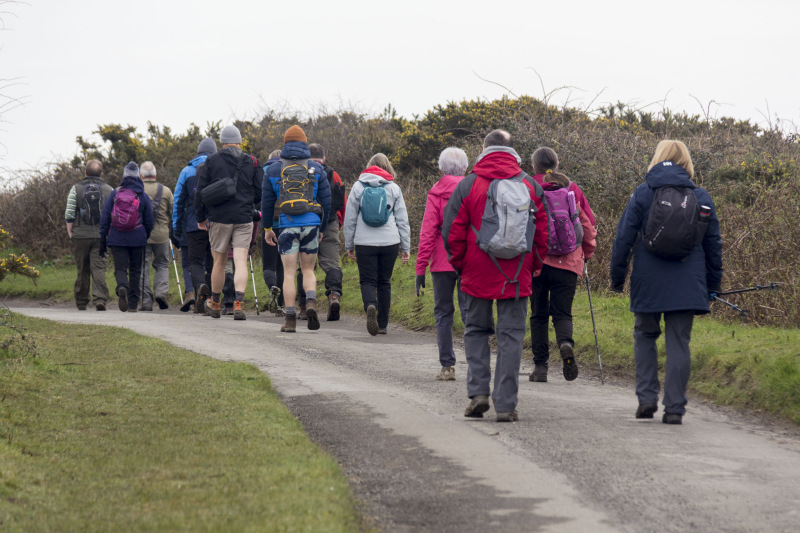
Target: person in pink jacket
[[453, 163], [545, 159], [554, 288]]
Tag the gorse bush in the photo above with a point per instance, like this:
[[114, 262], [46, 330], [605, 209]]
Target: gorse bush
[[750, 171]]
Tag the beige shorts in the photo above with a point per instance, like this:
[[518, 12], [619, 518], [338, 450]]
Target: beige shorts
[[224, 236]]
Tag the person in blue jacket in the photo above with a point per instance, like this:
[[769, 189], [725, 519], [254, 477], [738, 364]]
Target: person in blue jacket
[[127, 247], [676, 289]]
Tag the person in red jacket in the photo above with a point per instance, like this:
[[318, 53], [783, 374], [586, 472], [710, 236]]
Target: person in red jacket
[[485, 279], [452, 162]]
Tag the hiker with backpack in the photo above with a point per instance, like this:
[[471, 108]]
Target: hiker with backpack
[[125, 226], [544, 159], [453, 163], [271, 265], [301, 190], [671, 226], [495, 232], [228, 186], [571, 242], [85, 204], [157, 248], [375, 229]]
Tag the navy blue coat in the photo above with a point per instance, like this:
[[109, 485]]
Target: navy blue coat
[[662, 285], [110, 236]]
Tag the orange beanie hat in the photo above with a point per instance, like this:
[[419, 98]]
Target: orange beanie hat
[[295, 133]]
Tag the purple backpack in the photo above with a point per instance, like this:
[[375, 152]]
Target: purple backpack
[[564, 225], [125, 214]]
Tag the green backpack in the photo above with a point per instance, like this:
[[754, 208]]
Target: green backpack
[[375, 208]]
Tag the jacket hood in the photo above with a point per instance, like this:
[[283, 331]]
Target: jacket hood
[[92, 179], [231, 154], [498, 162], [444, 187], [133, 183], [295, 150], [199, 160], [669, 173], [374, 176]]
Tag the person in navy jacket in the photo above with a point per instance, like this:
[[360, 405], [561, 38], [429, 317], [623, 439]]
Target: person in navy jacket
[[678, 289]]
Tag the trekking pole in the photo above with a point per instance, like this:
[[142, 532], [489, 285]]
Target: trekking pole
[[175, 264], [255, 296], [771, 287], [594, 326], [742, 312]]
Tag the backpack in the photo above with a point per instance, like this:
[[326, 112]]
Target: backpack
[[298, 187], [508, 223], [563, 222], [125, 214], [375, 208], [672, 229], [91, 204]]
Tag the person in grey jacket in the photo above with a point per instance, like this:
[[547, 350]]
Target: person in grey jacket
[[375, 248]]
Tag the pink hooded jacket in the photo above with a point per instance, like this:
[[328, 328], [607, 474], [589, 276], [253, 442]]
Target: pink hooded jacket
[[431, 246]]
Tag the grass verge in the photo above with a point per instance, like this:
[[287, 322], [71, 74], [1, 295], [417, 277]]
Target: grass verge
[[141, 436]]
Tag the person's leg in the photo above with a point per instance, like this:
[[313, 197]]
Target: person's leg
[[646, 330], [187, 271], [269, 263], [540, 305], [98, 267], [240, 272], [677, 334], [329, 257], [121, 262], [81, 252], [146, 296], [367, 262], [161, 269], [198, 242], [136, 256], [443, 310], [510, 333], [289, 262], [387, 256], [228, 289], [479, 326], [562, 294]]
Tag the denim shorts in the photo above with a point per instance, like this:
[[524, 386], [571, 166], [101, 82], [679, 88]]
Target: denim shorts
[[303, 239]]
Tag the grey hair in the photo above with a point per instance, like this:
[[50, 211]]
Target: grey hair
[[147, 170], [453, 161], [273, 154]]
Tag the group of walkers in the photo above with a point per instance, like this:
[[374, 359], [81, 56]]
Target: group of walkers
[[493, 238]]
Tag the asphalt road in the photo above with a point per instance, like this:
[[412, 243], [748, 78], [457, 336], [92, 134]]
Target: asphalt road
[[576, 461]]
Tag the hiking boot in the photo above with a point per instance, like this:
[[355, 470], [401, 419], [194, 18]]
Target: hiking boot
[[568, 357], [100, 307], [212, 308], [279, 312], [508, 417], [162, 302], [372, 320], [290, 324], [477, 406], [227, 310], [272, 303], [132, 310], [333, 307], [539, 374], [447, 373], [646, 411], [81, 308], [381, 331], [238, 312], [146, 308], [122, 294], [311, 313], [202, 295], [672, 418], [188, 303], [302, 313]]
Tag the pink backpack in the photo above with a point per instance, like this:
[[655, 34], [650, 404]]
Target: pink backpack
[[563, 222], [125, 214]]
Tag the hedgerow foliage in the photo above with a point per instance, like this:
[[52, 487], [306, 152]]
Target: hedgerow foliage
[[750, 171]]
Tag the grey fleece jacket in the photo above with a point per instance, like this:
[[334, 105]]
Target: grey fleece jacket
[[396, 230]]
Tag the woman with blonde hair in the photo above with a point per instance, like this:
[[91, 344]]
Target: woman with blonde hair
[[375, 229], [663, 282]]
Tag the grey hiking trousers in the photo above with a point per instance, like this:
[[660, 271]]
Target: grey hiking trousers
[[678, 333], [444, 283], [158, 256], [510, 330]]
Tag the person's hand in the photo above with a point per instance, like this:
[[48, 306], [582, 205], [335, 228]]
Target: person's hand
[[712, 295], [269, 238], [405, 256], [174, 238], [351, 254], [420, 282], [203, 225], [103, 250], [618, 288]]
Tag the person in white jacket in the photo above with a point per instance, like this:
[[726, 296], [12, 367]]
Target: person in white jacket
[[375, 236]]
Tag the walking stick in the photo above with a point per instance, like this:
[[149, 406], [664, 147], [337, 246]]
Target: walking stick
[[594, 326], [255, 296], [175, 264]]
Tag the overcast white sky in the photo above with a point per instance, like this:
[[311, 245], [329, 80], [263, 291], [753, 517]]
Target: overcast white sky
[[90, 62]]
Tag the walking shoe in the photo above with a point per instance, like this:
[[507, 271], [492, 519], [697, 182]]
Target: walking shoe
[[279, 312], [188, 302], [132, 310], [539, 374], [146, 308], [672, 418], [290, 324], [162, 302], [646, 410], [238, 312], [227, 310], [372, 320], [570, 366], [81, 308], [477, 406], [311, 313], [381, 331], [100, 307], [302, 313], [212, 308], [202, 295], [122, 294], [447, 373], [272, 302], [508, 417], [333, 307]]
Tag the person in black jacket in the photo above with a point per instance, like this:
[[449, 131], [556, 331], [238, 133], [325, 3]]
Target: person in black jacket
[[678, 289], [228, 218]]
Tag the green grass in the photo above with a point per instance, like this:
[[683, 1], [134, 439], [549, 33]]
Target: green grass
[[143, 436]]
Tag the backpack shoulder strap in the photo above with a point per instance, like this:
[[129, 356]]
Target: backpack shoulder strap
[[157, 201]]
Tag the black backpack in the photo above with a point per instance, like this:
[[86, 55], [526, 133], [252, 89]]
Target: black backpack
[[672, 229], [91, 204]]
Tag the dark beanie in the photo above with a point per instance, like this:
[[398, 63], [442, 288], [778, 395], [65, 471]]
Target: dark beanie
[[295, 133], [131, 170], [207, 146]]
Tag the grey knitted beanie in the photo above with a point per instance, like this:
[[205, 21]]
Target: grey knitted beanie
[[131, 170], [207, 146], [230, 135]]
